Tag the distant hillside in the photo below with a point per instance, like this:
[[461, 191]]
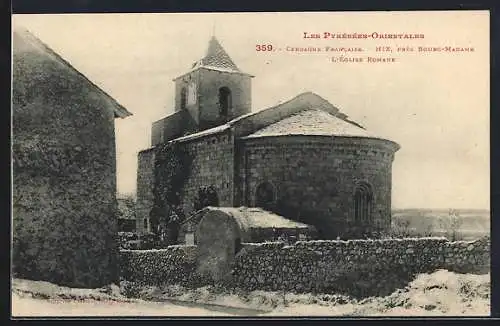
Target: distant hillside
[[468, 211], [466, 223]]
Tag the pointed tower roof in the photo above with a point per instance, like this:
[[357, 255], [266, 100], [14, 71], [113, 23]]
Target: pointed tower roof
[[216, 58]]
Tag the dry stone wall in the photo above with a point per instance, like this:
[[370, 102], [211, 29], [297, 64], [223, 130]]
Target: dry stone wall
[[172, 265], [356, 267]]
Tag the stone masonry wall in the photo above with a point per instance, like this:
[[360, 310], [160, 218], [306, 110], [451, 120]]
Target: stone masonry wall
[[213, 165], [315, 179], [145, 182], [205, 111], [172, 265], [167, 128], [64, 173], [356, 267], [185, 81], [208, 95]]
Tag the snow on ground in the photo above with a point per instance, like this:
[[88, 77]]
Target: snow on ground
[[441, 293], [45, 290], [29, 307]]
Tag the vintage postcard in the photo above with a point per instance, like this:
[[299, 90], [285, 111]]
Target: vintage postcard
[[251, 164]]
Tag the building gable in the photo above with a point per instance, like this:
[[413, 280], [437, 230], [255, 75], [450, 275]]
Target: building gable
[[250, 123], [311, 122], [25, 41]]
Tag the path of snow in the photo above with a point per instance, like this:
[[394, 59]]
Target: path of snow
[[26, 307]]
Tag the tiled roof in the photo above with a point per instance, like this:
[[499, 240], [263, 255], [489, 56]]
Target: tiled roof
[[312, 122], [217, 58]]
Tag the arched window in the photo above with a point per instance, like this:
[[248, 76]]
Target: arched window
[[224, 101], [363, 200], [207, 196], [183, 98], [212, 197], [265, 195]]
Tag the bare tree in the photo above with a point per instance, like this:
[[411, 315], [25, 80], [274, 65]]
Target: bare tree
[[454, 224], [401, 228]]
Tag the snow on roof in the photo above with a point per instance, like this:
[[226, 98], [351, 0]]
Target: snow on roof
[[206, 132], [253, 217], [305, 114], [297, 100], [313, 122]]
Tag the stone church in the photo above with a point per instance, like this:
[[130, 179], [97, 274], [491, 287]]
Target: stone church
[[303, 159]]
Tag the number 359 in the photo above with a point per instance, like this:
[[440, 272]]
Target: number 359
[[263, 47]]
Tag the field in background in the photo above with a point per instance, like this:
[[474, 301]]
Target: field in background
[[464, 224]]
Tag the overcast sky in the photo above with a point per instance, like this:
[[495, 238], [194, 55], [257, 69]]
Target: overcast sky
[[435, 105]]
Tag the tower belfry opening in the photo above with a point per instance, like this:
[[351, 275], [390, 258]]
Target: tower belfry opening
[[212, 92]]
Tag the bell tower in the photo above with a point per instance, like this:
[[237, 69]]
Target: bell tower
[[214, 90]]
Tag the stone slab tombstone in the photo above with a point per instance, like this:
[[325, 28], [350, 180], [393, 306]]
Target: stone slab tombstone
[[217, 235]]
